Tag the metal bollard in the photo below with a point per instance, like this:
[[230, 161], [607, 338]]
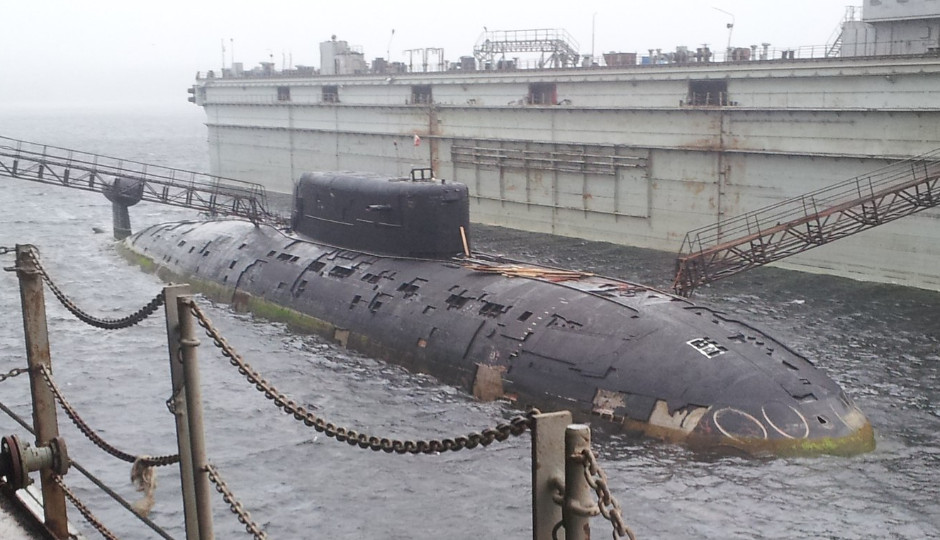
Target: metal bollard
[[579, 505]]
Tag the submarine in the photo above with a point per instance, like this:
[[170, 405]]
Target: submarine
[[383, 266]]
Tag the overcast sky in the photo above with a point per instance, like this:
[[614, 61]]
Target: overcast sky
[[92, 53]]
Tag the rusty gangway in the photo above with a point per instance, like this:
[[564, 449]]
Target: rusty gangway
[[812, 219], [154, 183]]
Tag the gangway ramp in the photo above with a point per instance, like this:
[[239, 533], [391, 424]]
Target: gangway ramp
[[154, 183], [802, 223]]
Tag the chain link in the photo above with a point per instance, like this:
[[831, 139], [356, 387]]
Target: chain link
[[5, 250], [516, 426], [97, 322], [608, 505], [157, 461], [91, 518], [171, 401], [13, 373], [244, 517]]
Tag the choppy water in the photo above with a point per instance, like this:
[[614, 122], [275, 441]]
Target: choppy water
[[881, 343]]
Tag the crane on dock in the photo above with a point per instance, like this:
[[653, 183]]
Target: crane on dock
[[127, 182], [807, 221]]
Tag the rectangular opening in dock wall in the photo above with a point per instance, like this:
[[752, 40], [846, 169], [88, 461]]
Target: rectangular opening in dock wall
[[601, 179]]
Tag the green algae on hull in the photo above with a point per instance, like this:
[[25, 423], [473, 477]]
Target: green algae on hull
[[860, 440]]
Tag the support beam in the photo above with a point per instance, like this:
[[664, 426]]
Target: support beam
[[44, 408], [197, 442], [179, 409]]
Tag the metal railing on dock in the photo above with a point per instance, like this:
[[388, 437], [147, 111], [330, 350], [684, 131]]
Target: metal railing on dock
[[812, 219], [568, 485]]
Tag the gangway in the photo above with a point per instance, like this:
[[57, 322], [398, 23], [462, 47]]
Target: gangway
[[802, 223], [130, 180]]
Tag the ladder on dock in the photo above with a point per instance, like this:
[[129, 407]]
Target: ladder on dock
[[154, 183], [802, 223]]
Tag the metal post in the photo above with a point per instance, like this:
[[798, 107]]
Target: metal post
[[548, 471], [120, 220], [37, 354], [578, 506], [188, 344], [170, 294]]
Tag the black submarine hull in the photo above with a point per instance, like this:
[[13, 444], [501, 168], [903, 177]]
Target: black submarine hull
[[648, 360]]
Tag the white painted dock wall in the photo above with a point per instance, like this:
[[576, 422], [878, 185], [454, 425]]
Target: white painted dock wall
[[621, 157]]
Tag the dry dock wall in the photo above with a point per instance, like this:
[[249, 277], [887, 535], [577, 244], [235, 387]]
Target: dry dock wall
[[620, 156]]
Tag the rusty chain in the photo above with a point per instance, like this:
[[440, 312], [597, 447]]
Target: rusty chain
[[13, 373], [234, 505], [106, 324], [608, 505], [516, 426], [157, 461], [91, 518], [4, 250]]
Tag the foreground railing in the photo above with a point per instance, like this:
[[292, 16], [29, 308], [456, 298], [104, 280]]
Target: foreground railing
[[568, 485]]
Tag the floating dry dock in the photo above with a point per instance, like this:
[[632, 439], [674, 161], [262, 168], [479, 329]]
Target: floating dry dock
[[637, 150]]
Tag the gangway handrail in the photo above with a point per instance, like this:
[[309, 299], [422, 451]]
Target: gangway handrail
[[166, 185], [831, 195], [829, 213]]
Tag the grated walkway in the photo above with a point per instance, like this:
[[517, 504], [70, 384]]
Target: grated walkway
[[802, 223], [134, 180]]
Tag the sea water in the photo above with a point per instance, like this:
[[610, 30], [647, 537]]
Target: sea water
[[881, 343]]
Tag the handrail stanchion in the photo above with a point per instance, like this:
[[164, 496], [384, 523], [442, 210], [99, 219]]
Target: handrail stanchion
[[193, 395], [548, 471], [178, 405], [38, 355], [578, 506]]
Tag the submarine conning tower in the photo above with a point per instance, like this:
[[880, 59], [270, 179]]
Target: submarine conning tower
[[415, 216]]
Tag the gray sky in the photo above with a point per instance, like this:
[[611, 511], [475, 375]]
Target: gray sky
[[99, 53]]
